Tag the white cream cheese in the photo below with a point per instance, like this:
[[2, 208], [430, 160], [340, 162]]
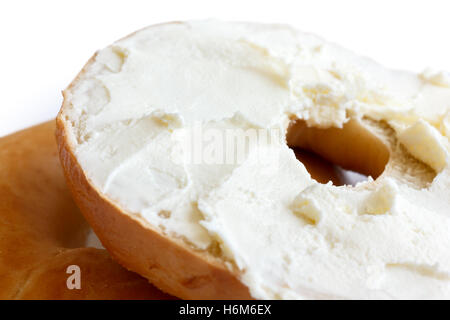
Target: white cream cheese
[[134, 109]]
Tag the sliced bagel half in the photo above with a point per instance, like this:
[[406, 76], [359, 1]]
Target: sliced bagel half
[[177, 141]]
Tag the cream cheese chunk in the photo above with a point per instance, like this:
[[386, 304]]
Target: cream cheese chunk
[[142, 104]]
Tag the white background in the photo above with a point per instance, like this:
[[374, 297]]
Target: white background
[[43, 44]]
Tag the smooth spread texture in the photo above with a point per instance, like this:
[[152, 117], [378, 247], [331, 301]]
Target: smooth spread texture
[[133, 111]]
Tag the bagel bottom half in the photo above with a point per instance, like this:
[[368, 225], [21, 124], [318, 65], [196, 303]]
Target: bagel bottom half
[[42, 231]]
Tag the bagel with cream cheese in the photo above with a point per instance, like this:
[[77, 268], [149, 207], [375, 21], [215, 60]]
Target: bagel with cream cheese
[[42, 233], [177, 144]]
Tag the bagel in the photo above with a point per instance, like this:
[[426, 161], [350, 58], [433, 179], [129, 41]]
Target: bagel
[[206, 221], [42, 232]]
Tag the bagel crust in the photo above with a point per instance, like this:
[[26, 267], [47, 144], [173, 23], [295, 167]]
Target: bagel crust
[[42, 232], [207, 225]]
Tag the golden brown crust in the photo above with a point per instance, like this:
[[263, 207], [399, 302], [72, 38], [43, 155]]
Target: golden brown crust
[[42, 231], [102, 278]]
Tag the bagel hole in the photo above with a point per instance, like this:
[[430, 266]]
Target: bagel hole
[[323, 170], [344, 156]]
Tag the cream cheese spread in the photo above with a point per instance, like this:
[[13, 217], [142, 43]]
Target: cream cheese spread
[[134, 111]]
